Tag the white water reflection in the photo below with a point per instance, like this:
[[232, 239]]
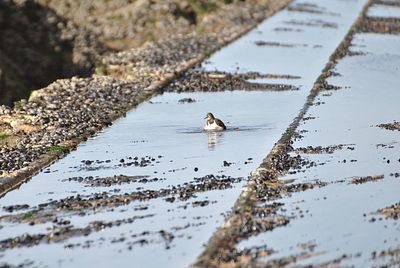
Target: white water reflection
[[213, 138], [384, 11]]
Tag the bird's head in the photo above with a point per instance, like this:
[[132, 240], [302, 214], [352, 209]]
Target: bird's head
[[209, 116]]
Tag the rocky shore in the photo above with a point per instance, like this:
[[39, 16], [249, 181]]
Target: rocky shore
[[35, 132]]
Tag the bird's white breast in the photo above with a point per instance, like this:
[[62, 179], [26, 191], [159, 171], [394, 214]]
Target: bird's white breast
[[212, 126]]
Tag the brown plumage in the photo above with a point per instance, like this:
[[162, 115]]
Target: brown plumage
[[213, 123]]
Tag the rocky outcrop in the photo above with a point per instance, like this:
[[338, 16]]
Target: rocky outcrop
[[44, 40], [124, 24], [37, 47]]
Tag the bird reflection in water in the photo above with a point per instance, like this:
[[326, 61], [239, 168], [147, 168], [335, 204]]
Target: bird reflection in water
[[214, 138]]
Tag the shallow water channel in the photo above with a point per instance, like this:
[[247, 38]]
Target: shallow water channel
[[168, 135], [341, 221]]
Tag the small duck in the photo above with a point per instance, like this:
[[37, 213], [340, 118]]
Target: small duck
[[213, 124]]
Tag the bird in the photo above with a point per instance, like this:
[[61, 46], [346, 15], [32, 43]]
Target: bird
[[213, 124]]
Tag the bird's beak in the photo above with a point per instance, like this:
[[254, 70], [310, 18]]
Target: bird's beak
[[205, 117]]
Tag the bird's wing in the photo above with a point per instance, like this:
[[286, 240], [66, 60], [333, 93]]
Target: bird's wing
[[220, 123]]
